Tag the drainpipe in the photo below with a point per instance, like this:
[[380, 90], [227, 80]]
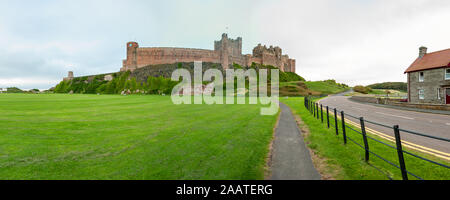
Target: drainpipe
[[409, 89]]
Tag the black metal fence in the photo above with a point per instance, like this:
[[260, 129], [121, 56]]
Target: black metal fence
[[318, 110]]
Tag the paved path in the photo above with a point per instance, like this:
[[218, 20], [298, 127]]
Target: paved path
[[290, 157], [427, 123]]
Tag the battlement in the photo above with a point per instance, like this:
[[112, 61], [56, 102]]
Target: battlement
[[231, 46], [259, 50], [226, 52]]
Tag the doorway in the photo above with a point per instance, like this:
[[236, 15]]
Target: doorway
[[447, 95]]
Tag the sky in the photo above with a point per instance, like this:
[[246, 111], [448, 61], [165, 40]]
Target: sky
[[357, 42]]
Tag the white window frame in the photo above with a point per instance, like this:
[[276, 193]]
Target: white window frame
[[447, 74], [439, 93], [421, 76], [421, 94]]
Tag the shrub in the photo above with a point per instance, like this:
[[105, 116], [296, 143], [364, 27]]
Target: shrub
[[13, 90], [390, 85], [362, 89]]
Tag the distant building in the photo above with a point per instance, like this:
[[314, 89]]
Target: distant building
[[69, 76], [3, 90], [429, 77]]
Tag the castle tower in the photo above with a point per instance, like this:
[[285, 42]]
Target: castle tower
[[131, 62], [239, 50], [69, 76], [223, 48]]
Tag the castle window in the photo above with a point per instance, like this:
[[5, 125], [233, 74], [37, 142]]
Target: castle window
[[421, 76], [447, 74]]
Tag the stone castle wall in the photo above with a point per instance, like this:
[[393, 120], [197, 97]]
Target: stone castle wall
[[226, 52]]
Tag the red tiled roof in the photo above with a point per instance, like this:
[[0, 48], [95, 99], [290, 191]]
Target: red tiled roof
[[432, 60]]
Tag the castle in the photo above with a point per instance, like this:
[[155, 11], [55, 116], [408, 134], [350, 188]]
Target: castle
[[226, 52]]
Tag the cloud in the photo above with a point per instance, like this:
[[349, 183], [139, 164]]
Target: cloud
[[355, 42]]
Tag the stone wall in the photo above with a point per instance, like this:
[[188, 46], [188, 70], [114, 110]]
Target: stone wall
[[166, 70], [226, 52], [433, 79], [396, 102], [364, 99]]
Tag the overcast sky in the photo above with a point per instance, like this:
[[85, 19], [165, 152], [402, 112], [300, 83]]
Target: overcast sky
[[352, 41]]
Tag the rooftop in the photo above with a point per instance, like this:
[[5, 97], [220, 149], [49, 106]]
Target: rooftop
[[437, 59]]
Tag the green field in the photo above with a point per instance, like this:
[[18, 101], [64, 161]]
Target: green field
[[308, 88], [325, 87], [60, 136]]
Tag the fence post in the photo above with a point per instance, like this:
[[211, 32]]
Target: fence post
[[307, 103], [401, 160], [304, 101], [317, 108], [314, 107], [336, 122], [321, 112], [366, 144], [343, 127], [309, 107], [328, 118]]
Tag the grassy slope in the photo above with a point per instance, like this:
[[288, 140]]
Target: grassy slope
[[348, 159], [129, 137], [315, 88], [324, 87]]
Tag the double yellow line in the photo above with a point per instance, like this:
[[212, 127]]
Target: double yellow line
[[410, 145]]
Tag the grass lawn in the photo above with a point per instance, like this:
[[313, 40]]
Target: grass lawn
[[346, 162], [60, 136], [314, 88], [325, 87]]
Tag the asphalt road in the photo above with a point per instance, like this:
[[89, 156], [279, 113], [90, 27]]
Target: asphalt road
[[290, 157], [427, 123]]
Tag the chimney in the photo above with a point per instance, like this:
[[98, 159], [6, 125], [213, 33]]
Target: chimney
[[422, 51]]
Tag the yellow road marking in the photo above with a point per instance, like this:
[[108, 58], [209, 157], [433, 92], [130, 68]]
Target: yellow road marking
[[407, 144]]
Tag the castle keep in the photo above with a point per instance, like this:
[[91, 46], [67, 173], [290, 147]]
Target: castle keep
[[226, 52]]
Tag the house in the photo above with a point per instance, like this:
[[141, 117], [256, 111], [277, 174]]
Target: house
[[429, 77], [3, 90]]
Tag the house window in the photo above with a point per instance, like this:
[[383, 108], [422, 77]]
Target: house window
[[447, 74], [421, 94], [438, 93], [421, 77]]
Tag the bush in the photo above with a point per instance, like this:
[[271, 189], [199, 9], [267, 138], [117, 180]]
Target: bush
[[13, 90], [362, 89], [121, 81], [390, 85]]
